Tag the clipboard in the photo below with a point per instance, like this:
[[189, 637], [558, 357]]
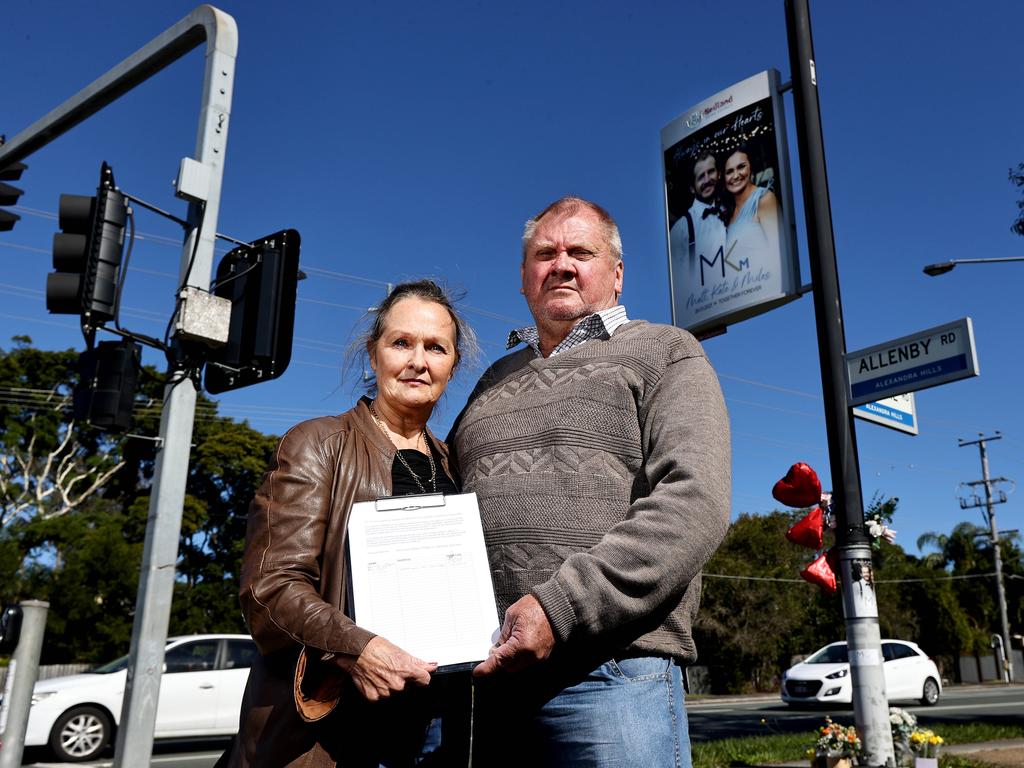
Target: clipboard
[[419, 577]]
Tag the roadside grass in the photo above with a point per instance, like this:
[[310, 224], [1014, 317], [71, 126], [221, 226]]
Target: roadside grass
[[792, 747]]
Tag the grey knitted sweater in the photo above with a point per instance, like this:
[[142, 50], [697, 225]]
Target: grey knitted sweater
[[603, 475]]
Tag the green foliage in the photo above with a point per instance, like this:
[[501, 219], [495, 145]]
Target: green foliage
[[1017, 179], [227, 467], [776, 748], [748, 630], [48, 464], [751, 626], [967, 551], [751, 750], [86, 561], [91, 585]]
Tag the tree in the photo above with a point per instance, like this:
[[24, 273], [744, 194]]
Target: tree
[[748, 629], [226, 468], [968, 552], [49, 465], [84, 558], [1017, 179]]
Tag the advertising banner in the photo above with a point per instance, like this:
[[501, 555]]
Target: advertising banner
[[729, 207]]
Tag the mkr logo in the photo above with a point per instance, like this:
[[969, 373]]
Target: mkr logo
[[739, 266]]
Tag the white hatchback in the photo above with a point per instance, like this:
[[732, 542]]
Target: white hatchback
[[200, 695], [824, 676]]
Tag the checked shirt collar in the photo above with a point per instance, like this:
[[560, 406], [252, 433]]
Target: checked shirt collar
[[600, 325]]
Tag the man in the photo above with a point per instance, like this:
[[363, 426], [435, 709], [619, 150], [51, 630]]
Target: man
[[699, 231], [600, 457]]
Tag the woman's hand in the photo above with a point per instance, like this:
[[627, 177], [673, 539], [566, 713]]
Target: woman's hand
[[383, 668]]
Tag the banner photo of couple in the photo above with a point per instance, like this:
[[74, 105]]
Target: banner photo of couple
[[728, 203]]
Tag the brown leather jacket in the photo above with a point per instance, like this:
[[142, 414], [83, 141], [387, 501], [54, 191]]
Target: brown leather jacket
[[294, 580]]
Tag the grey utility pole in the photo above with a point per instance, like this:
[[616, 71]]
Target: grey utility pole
[[160, 552], [860, 608], [23, 671], [990, 515]]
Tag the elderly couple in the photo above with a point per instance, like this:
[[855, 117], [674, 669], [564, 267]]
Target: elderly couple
[[600, 456]]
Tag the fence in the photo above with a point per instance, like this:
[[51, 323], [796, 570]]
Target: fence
[[51, 670], [978, 669]]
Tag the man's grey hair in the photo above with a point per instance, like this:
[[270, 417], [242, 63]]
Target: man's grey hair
[[570, 206]]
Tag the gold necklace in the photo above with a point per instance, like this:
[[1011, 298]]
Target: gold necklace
[[401, 458]]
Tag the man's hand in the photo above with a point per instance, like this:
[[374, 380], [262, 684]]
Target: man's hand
[[383, 668], [526, 638]]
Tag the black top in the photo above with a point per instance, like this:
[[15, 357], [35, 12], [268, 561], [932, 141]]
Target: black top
[[402, 483]]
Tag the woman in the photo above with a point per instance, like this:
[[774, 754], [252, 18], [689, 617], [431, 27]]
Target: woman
[[751, 213], [325, 691]]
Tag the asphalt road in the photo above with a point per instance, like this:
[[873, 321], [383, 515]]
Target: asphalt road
[[717, 718], [710, 718]]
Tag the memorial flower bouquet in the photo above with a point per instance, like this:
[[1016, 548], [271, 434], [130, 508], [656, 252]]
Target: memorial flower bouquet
[[925, 743], [903, 724], [835, 740], [877, 518]]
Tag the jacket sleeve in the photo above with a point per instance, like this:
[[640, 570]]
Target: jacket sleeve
[[679, 515], [284, 549]]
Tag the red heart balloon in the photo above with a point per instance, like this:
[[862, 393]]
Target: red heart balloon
[[808, 531], [799, 488], [819, 572]]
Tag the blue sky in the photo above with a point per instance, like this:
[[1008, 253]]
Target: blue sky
[[409, 139]]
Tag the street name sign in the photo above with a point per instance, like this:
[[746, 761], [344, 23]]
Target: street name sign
[[897, 412], [918, 361]]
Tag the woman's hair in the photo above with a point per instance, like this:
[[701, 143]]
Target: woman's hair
[[466, 347], [728, 200]]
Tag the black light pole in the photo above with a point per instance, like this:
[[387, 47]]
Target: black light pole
[[870, 707]]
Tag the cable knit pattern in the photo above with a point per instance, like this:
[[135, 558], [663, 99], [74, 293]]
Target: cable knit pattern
[[603, 475]]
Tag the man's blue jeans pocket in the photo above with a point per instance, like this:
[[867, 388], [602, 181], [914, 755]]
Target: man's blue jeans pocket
[[626, 713]]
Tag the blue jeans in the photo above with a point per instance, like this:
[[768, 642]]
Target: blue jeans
[[626, 713]]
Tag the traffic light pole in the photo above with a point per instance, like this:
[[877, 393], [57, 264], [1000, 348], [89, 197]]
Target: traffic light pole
[[870, 706], [160, 553]]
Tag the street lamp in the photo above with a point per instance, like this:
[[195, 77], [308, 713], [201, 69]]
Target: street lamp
[[943, 267]]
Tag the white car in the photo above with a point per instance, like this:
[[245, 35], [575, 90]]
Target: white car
[[824, 676], [200, 695]]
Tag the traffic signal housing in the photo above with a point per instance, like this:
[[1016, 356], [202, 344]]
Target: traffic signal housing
[[105, 394], [9, 194], [260, 280], [10, 629], [87, 253]]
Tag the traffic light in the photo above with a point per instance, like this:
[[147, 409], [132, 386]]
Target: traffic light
[[87, 253], [10, 629], [105, 394], [9, 194], [260, 281]]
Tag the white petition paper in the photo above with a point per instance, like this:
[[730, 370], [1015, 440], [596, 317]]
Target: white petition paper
[[420, 576]]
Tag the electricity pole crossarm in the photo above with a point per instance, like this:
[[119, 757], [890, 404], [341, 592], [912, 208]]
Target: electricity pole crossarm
[[990, 517]]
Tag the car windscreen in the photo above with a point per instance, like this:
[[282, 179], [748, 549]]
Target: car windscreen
[[111, 666], [832, 654]]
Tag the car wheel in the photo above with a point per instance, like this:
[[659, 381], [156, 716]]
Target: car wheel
[[930, 693], [80, 734]]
